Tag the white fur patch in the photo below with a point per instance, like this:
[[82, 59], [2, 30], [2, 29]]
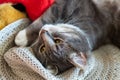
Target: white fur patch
[[21, 38], [64, 27], [61, 28]]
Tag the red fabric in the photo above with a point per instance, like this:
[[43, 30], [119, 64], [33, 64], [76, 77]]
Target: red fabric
[[34, 8]]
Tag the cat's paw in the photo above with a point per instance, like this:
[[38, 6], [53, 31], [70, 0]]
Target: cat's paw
[[21, 38]]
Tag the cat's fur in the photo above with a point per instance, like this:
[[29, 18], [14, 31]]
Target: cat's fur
[[83, 25]]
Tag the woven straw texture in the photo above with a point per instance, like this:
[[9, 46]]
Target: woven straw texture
[[19, 63]]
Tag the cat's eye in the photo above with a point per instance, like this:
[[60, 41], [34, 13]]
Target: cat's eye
[[42, 48], [58, 41]]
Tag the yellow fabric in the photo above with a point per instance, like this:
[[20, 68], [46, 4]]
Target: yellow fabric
[[9, 14]]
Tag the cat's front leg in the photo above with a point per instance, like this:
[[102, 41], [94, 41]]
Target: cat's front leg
[[28, 35]]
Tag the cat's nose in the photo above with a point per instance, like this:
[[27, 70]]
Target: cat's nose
[[43, 31], [48, 39], [46, 36]]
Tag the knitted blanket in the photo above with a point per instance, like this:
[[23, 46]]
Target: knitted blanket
[[19, 63]]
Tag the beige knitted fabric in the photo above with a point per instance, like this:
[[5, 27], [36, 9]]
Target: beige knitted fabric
[[19, 63]]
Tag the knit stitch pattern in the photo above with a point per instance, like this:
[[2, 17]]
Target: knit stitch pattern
[[19, 63]]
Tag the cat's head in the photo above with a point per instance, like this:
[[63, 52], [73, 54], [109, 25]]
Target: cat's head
[[60, 47]]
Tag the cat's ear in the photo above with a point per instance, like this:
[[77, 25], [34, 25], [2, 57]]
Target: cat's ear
[[78, 59]]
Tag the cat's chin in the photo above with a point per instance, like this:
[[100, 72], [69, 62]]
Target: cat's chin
[[21, 38]]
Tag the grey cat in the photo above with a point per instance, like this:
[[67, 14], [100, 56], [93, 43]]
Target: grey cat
[[69, 30]]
